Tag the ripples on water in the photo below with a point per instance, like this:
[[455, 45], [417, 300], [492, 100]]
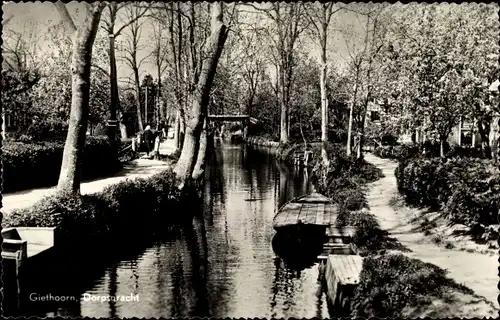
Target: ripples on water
[[223, 265]]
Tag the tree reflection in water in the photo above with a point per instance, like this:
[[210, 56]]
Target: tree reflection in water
[[222, 263]]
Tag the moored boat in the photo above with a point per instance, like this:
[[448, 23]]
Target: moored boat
[[307, 214]]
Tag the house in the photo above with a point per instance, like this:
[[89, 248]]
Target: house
[[464, 134]]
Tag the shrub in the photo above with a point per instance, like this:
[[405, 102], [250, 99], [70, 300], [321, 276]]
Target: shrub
[[47, 130], [369, 237], [390, 283], [397, 152], [120, 209], [466, 189], [31, 165]]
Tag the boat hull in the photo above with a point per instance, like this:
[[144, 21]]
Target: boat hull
[[297, 250]]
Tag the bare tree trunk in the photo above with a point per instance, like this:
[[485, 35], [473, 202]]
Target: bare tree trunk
[[494, 137], [83, 40], [484, 127], [199, 167], [113, 78], [361, 140], [283, 105], [138, 99], [442, 141], [200, 99], [324, 104], [349, 130], [177, 132], [123, 127], [4, 125], [284, 123]]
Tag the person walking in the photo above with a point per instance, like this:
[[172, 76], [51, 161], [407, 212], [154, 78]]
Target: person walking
[[148, 139]]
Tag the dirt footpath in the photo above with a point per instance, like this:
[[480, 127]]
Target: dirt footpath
[[476, 271]]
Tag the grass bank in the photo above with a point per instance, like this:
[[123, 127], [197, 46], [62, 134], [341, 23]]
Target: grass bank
[[392, 284], [134, 207]]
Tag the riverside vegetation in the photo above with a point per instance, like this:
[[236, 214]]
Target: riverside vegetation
[[131, 206], [391, 284]]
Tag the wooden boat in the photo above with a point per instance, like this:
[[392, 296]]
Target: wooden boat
[[313, 212], [28, 248], [342, 275]]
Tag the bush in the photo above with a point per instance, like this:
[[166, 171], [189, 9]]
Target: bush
[[397, 152], [369, 237], [47, 130], [390, 283], [466, 189], [119, 210], [32, 165]]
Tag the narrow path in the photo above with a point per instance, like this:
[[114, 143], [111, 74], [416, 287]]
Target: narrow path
[[476, 271], [142, 168]]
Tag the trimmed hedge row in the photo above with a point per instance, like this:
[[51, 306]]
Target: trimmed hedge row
[[467, 190], [407, 151], [121, 209], [391, 283], [32, 165]]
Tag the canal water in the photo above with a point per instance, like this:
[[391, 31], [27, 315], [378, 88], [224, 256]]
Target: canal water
[[223, 264]]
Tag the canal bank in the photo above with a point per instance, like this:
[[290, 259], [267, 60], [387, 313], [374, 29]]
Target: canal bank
[[222, 263], [86, 227], [386, 269]]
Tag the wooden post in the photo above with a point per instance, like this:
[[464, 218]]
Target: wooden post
[[157, 148], [459, 139], [4, 125]]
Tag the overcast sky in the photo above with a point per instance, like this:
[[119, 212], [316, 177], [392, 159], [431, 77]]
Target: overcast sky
[[43, 16]]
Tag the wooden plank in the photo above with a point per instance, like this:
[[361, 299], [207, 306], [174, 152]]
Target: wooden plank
[[314, 198], [289, 208], [281, 217], [303, 213], [311, 215], [347, 268], [320, 215], [293, 215]]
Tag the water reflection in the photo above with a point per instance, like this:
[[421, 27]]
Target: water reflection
[[223, 263]]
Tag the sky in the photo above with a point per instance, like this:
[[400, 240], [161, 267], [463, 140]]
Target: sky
[[42, 15]]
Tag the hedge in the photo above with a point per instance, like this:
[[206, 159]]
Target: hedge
[[467, 190], [123, 209], [32, 165], [390, 283], [406, 151]]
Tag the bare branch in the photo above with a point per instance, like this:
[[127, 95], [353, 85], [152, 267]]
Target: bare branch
[[134, 19], [65, 17]]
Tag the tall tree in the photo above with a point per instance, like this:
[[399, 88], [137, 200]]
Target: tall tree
[[365, 70], [442, 76], [320, 15], [130, 51], [288, 23], [160, 56], [110, 22], [83, 36], [200, 97]]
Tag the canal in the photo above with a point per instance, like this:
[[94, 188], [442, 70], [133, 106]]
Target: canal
[[223, 264]]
